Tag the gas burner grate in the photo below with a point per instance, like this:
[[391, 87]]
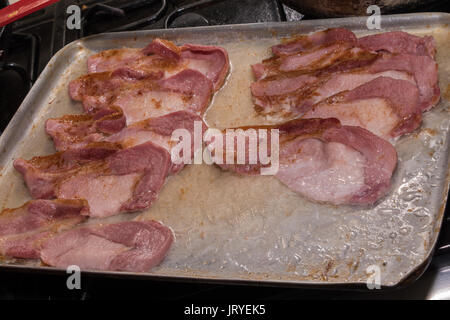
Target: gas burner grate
[[100, 13]]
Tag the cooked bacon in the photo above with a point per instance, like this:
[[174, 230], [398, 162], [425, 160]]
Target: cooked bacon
[[162, 55], [212, 61], [321, 58], [24, 230], [316, 67], [111, 179], [293, 100], [423, 68], [159, 131], [399, 42], [295, 103], [125, 246], [75, 131], [385, 106], [96, 84], [327, 162], [163, 48], [186, 90], [325, 37], [42, 173]]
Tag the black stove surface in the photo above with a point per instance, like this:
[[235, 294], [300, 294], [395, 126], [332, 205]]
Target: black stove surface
[[33, 40]]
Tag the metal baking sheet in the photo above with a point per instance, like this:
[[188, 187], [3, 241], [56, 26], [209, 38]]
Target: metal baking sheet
[[254, 229]]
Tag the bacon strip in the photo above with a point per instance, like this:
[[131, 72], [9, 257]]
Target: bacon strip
[[125, 246], [385, 106], [311, 71], [111, 179], [327, 162], [162, 55], [24, 230]]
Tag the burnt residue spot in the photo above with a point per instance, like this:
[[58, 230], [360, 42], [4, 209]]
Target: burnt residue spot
[[446, 93]]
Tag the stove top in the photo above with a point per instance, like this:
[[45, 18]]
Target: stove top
[[27, 45]]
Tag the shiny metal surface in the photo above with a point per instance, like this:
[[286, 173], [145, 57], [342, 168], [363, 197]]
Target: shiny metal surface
[[293, 241]]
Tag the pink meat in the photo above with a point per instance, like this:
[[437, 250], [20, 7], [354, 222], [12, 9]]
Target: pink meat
[[163, 48], [41, 174], [162, 55], [384, 106], [327, 162], [122, 181], [313, 69], [322, 57], [399, 42], [159, 131], [423, 68], [420, 70], [75, 131], [187, 90], [296, 103], [96, 84], [127, 246], [281, 86], [320, 38], [24, 230], [110, 60], [380, 160], [213, 62]]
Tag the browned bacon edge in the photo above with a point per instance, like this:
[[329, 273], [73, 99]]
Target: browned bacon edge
[[380, 155], [43, 175], [403, 98], [164, 55], [24, 230], [398, 51], [74, 131]]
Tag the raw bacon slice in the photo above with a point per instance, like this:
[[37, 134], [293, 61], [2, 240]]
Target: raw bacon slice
[[24, 230], [75, 131], [319, 38], [289, 104], [399, 42], [96, 84], [423, 68], [121, 181], [126, 246], [187, 90], [295, 97], [212, 61], [384, 106], [313, 60], [292, 81], [350, 165], [42, 173], [159, 131], [163, 55], [67, 133], [327, 162], [164, 49]]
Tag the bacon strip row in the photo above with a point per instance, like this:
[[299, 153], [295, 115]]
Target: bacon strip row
[[363, 82], [113, 158]]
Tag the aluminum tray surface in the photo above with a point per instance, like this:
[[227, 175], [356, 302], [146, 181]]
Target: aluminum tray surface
[[230, 227]]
